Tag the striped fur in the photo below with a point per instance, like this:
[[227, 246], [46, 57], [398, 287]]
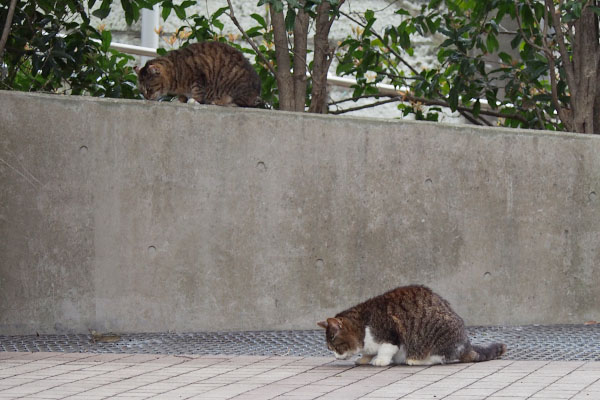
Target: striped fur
[[416, 320], [208, 72]]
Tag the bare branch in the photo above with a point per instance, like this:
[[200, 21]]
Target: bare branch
[[364, 96], [562, 114], [471, 119], [567, 63], [249, 39], [370, 105], [6, 30]]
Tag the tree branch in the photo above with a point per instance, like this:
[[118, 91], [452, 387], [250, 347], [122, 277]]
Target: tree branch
[[564, 54], [375, 104], [6, 30], [407, 97], [472, 119], [249, 39]]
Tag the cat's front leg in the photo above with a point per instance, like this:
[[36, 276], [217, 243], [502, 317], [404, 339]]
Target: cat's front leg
[[384, 356]]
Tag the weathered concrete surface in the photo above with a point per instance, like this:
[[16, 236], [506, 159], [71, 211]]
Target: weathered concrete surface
[[144, 216]]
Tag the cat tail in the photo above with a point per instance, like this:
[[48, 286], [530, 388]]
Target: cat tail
[[476, 353]]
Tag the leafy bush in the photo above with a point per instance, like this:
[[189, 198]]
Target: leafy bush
[[53, 48]]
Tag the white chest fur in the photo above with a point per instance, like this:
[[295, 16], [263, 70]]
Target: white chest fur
[[371, 347], [381, 354]]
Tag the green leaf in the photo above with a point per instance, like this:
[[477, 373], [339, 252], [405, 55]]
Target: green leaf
[[179, 11], [166, 11], [258, 18], [505, 57], [370, 17], [492, 43], [290, 19], [219, 12], [490, 96], [453, 98], [106, 40], [526, 15], [130, 11], [254, 31], [434, 4], [476, 108], [101, 13], [218, 24]]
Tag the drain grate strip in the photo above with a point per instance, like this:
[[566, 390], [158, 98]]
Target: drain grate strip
[[531, 342]]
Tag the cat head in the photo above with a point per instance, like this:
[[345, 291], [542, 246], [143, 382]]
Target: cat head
[[152, 80], [342, 337]]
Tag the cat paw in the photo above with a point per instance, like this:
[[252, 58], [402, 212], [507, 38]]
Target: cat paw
[[380, 362]]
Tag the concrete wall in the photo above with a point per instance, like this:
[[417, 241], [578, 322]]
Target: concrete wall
[[144, 216]]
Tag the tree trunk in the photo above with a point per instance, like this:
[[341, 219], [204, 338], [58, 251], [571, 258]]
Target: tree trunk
[[285, 83], [6, 29], [322, 58], [597, 102], [586, 59], [300, 64]]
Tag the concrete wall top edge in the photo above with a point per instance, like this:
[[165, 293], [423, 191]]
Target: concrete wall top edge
[[457, 128]]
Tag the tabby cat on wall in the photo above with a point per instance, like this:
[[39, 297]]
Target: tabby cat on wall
[[208, 72]]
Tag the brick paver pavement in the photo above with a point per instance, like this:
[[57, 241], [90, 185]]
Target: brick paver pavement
[[123, 376]]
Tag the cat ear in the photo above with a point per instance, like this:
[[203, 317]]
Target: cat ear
[[322, 324], [335, 324], [154, 69], [136, 69]]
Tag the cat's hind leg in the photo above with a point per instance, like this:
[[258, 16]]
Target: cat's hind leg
[[400, 356], [430, 360], [225, 100]]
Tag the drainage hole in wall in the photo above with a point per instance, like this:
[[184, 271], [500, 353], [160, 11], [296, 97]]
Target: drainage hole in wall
[[261, 167], [83, 149], [151, 250], [487, 276]]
